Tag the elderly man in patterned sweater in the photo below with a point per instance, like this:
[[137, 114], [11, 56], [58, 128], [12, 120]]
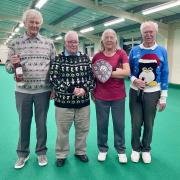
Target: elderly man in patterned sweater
[[149, 89], [34, 52], [72, 79]]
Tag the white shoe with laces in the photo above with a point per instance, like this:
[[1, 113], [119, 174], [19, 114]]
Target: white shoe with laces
[[102, 156], [21, 162], [42, 160], [146, 156], [122, 158], [135, 156]]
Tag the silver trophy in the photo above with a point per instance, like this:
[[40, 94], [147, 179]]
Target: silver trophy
[[102, 70]]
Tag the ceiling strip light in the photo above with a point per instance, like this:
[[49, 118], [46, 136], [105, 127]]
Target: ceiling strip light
[[161, 7], [87, 30], [21, 24], [58, 38], [17, 30], [109, 23], [40, 4]]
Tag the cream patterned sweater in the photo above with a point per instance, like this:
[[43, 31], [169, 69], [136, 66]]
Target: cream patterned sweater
[[35, 57]]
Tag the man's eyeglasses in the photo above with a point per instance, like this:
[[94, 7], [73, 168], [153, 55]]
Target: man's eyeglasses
[[73, 42]]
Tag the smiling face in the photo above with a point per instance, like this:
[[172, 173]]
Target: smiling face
[[72, 42], [32, 24], [109, 40], [149, 35]]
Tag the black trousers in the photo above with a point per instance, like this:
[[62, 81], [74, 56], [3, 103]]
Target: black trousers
[[142, 119]]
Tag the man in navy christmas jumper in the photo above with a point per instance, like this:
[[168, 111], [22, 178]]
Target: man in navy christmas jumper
[[72, 79], [149, 78]]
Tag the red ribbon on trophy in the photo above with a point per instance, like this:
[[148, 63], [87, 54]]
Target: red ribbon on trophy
[[102, 70]]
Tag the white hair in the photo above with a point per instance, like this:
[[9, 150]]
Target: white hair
[[149, 23], [103, 36], [69, 33], [31, 12]]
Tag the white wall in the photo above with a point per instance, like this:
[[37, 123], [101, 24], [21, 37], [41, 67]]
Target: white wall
[[3, 53], [175, 73], [162, 41]]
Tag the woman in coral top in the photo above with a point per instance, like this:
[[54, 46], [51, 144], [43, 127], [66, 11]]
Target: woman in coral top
[[111, 95]]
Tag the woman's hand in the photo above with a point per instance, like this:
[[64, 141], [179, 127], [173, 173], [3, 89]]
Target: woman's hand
[[121, 72]]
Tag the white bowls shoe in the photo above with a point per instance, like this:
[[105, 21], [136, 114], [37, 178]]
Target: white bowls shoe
[[102, 156], [122, 158], [146, 157], [135, 156]]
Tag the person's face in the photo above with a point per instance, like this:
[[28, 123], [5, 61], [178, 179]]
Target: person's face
[[109, 40], [33, 24], [72, 43], [149, 35]]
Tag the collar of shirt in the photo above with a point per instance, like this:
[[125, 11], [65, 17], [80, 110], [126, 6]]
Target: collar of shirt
[[152, 47], [66, 53], [38, 37]]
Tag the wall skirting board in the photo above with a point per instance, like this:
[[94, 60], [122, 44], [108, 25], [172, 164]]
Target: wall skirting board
[[175, 86]]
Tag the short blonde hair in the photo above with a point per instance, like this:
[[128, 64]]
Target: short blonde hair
[[149, 23], [103, 36], [32, 12]]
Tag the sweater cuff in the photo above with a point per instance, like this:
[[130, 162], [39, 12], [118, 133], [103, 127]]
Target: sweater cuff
[[132, 79], [162, 100], [164, 93]]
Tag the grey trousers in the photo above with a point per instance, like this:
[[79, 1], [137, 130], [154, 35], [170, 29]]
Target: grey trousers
[[24, 105], [118, 117], [64, 120], [142, 115]]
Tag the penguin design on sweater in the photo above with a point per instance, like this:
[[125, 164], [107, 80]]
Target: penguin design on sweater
[[147, 68]]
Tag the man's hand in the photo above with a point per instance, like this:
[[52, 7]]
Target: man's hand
[[79, 91], [161, 107], [139, 83], [52, 95], [15, 59], [161, 103]]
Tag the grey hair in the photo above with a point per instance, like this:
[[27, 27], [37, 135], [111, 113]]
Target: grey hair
[[31, 12], [103, 36], [69, 33], [148, 23]]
